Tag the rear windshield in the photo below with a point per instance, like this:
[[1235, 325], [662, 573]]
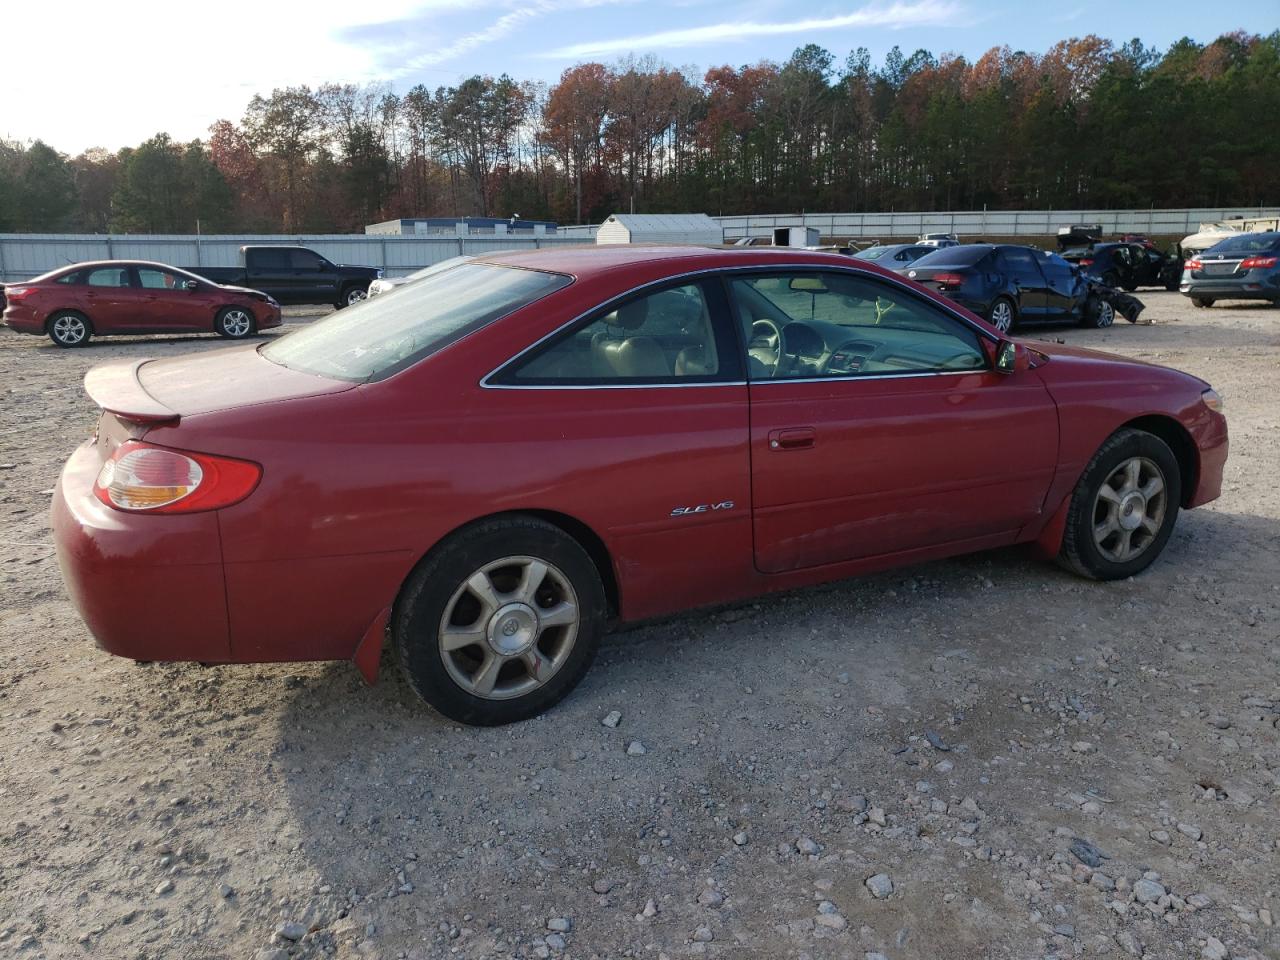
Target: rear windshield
[[381, 335], [1247, 243], [962, 256]]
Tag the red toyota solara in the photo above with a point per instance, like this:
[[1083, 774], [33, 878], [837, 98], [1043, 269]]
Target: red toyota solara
[[485, 467], [73, 304]]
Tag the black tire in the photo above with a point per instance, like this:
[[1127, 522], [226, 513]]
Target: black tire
[[1201, 302], [1129, 287], [69, 328], [234, 323], [352, 295], [1109, 279], [1081, 551], [1099, 315], [438, 587], [995, 317]]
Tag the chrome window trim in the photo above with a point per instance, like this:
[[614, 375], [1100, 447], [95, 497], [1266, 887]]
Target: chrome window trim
[[720, 271]]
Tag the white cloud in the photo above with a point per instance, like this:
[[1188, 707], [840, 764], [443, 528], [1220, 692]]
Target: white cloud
[[911, 13]]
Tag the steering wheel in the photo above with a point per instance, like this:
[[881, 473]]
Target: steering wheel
[[765, 346]]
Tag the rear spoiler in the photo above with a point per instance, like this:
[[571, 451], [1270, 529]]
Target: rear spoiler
[[115, 387]]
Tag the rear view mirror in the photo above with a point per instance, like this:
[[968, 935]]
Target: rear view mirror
[[808, 284], [191, 285]]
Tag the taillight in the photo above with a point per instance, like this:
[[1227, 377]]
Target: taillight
[[141, 477], [1085, 263], [17, 293], [1193, 265], [949, 281], [1250, 262]]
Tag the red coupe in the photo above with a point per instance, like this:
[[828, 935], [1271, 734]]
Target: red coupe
[[488, 465], [73, 304]]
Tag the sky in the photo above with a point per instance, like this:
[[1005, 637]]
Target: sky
[[110, 75]]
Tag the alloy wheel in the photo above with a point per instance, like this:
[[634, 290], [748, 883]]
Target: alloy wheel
[[236, 323], [1106, 314], [355, 295], [1002, 316], [69, 329], [509, 628], [1129, 509]]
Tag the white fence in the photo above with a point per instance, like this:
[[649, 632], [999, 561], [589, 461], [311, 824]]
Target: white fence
[[23, 256], [979, 223]]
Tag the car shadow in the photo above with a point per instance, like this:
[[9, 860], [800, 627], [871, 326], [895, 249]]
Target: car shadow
[[736, 698]]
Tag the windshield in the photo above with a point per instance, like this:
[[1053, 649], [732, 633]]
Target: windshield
[[1247, 243], [963, 256], [380, 336]]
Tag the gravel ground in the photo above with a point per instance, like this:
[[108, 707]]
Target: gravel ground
[[984, 757]]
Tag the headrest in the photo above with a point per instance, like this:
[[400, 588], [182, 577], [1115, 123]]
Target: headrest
[[630, 316]]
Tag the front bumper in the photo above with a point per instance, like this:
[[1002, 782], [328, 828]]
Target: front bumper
[[148, 587], [269, 316]]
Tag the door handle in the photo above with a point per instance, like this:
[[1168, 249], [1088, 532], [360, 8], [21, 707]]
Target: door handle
[[792, 438]]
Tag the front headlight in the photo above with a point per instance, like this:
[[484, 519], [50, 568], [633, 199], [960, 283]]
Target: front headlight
[[379, 275], [1213, 400]]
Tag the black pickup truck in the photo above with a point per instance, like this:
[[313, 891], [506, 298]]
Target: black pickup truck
[[294, 275]]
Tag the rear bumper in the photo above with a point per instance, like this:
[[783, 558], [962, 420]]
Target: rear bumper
[[1265, 287], [22, 319], [148, 587]]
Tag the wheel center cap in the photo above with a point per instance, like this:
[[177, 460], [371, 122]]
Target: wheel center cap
[[1132, 510], [512, 629]]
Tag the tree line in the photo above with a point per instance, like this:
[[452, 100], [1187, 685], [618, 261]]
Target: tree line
[[1085, 124]]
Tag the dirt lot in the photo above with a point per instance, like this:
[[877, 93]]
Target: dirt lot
[[949, 730]]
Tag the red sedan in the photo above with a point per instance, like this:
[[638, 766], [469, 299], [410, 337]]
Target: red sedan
[[73, 304], [487, 466]]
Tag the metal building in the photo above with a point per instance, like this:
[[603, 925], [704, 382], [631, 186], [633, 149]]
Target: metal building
[[463, 227], [660, 228]]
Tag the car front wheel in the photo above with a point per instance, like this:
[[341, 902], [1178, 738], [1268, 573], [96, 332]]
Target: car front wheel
[[1123, 509], [1201, 302], [69, 329], [1103, 314], [500, 621], [234, 323], [352, 295], [1002, 314]]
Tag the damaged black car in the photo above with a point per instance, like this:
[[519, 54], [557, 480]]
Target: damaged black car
[[1010, 285]]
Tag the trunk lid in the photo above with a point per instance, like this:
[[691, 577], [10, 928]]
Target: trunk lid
[[163, 391]]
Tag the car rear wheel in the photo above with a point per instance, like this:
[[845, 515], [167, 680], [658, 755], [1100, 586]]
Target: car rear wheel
[[69, 329], [500, 621], [234, 323], [1124, 507], [1201, 302], [1002, 315]]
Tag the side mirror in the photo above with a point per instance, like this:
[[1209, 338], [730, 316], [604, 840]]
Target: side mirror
[[1011, 357], [191, 284]]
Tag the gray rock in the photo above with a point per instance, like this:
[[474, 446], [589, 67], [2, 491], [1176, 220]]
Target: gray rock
[[1190, 830], [560, 924], [832, 921], [227, 891], [635, 749], [602, 886], [1148, 891], [711, 897], [1160, 836], [612, 719], [875, 955], [271, 953], [291, 930], [1200, 901], [880, 886], [555, 941], [703, 935], [807, 846], [1087, 853], [741, 838], [165, 886], [1214, 949]]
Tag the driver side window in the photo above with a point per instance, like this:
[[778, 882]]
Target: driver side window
[[804, 325]]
